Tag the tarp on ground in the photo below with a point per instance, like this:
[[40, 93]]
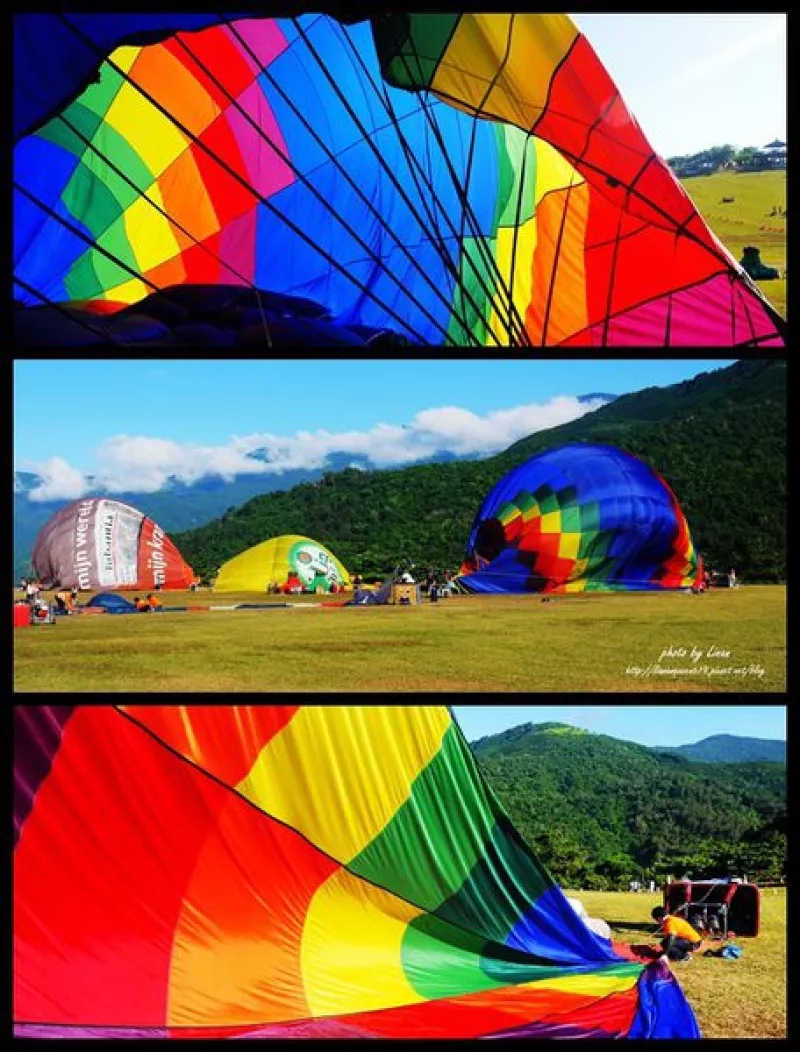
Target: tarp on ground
[[188, 871], [111, 603]]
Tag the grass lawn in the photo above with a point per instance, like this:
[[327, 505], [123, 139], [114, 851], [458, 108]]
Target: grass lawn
[[466, 643], [746, 221], [744, 998]]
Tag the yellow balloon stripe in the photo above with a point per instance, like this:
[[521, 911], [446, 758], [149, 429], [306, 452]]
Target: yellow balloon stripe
[[468, 70], [356, 764], [367, 926]]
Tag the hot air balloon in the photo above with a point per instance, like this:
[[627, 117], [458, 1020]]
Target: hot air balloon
[[580, 518], [97, 543], [276, 560], [469, 179], [293, 871]]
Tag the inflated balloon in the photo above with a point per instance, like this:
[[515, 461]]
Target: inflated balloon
[[279, 871], [498, 192], [273, 562], [580, 518], [97, 543]]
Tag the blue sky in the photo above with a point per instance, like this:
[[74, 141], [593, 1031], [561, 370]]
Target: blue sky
[[697, 80], [206, 403], [645, 724]]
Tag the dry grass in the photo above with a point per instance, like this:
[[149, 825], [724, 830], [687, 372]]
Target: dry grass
[[744, 998], [463, 644]]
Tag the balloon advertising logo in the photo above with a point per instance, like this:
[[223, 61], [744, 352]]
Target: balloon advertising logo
[[309, 561]]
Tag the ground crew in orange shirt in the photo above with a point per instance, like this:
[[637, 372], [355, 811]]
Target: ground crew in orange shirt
[[680, 939]]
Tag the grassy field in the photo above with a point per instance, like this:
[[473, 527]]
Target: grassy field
[[466, 643], [744, 998], [747, 220]]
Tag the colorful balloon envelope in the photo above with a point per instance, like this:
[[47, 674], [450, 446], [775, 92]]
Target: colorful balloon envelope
[[467, 179], [273, 562], [580, 518], [96, 543], [316, 871]]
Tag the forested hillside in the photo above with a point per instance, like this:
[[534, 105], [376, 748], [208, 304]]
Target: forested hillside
[[719, 440], [727, 748], [602, 811]]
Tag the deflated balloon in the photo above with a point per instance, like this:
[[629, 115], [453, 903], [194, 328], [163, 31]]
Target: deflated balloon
[[274, 561], [580, 518], [97, 543], [280, 871]]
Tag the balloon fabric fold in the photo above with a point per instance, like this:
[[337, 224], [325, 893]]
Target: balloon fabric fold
[[471, 179], [310, 871]]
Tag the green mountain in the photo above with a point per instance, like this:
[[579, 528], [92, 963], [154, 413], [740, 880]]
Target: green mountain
[[603, 811], [728, 748], [719, 439]]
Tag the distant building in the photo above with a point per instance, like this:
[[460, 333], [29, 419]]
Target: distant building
[[774, 154]]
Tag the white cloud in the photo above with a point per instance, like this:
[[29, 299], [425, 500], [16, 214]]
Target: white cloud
[[144, 464], [59, 481]]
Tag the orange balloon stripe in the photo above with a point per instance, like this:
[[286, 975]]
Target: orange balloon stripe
[[225, 740]]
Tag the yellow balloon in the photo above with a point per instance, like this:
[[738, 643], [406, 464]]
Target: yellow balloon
[[271, 562]]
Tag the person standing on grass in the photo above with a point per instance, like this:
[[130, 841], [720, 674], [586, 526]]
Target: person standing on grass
[[680, 938]]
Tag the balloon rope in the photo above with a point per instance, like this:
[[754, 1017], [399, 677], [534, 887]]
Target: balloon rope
[[612, 275], [85, 237], [307, 182], [468, 211], [235, 175], [143, 193], [116, 259], [551, 288], [470, 158], [467, 208], [335, 160], [444, 254], [518, 216], [366, 134]]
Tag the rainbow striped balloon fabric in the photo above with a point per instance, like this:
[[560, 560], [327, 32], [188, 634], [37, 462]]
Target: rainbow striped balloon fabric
[[498, 192], [580, 518], [311, 871]]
